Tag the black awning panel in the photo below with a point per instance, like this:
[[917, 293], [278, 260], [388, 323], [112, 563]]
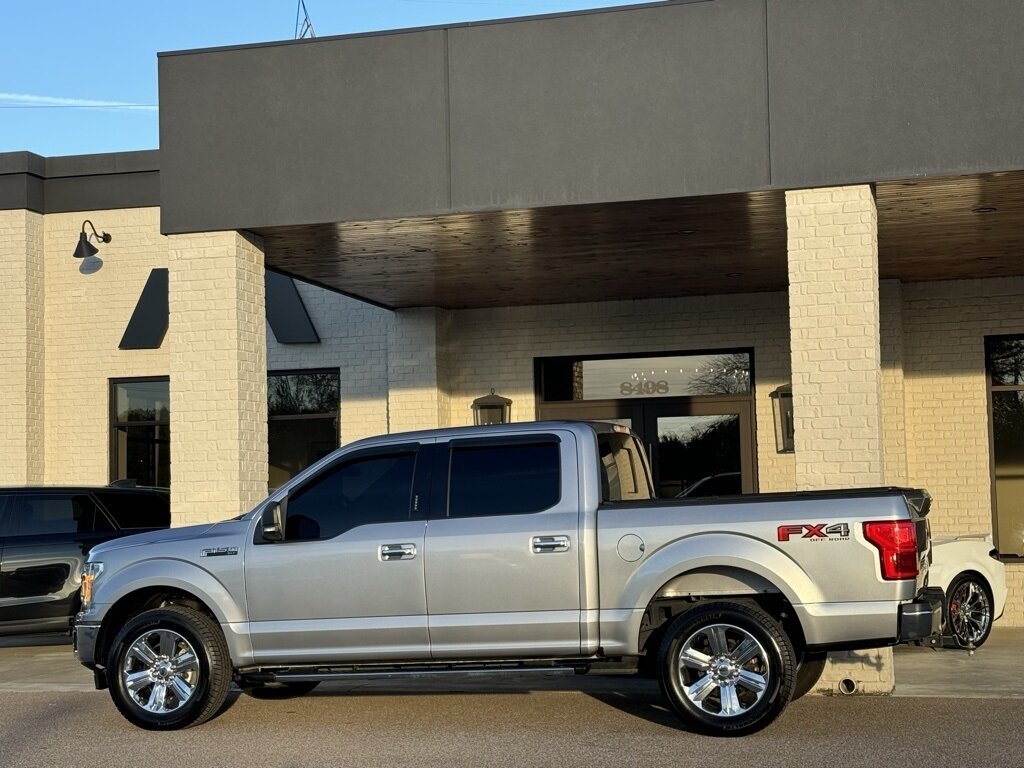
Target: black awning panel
[[286, 313], [148, 325]]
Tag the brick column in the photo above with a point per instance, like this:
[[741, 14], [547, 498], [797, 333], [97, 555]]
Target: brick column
[[21, 347], [418, 370], [218, 361], [836, 357]]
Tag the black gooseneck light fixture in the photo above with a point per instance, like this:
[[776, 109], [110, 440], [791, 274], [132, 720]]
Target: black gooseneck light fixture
[[85, 249]]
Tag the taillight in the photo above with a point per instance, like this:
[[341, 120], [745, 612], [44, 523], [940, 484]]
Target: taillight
[[896, 541]]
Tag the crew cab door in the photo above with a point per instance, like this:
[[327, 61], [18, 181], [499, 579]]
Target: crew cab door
[[502, 548], [347, 580]]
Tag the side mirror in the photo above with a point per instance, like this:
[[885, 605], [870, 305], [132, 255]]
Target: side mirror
[[273, 520]]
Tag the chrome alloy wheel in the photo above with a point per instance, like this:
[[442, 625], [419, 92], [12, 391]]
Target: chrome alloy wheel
[[161, 671], [723, 670], [969, 612]]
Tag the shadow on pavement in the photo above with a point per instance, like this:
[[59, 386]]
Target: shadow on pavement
[[34, 641]]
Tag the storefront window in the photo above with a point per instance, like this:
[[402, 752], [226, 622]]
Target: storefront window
[[1005, 362], [303, 420], [140, 431]]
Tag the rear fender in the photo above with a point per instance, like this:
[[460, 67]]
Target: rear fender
[[714, 564]]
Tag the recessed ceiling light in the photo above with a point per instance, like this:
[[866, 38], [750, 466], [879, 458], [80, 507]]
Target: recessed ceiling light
[[984, 209], [734, 274]]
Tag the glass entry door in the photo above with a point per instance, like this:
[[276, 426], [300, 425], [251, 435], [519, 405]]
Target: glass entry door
[[697, 447], [700, 449], [693, 410]]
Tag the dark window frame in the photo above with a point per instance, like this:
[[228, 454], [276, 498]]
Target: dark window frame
[[114, 423], [992, 388], [637, 405]]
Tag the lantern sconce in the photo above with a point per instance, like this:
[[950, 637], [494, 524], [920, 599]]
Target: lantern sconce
[[782, 409], [492, 409]]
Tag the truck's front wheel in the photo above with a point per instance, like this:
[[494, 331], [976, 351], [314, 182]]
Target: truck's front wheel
[[728, 669], [169, 668]]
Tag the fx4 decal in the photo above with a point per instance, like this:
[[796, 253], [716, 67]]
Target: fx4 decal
[[835, 531]]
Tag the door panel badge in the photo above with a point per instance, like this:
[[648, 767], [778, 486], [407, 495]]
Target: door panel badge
[[219, 552]]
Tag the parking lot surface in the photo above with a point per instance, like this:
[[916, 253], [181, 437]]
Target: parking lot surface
[[49, 717]]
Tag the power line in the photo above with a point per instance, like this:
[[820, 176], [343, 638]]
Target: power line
[[78, 106]]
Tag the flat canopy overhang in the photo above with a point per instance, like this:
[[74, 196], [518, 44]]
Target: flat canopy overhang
[[929, 229]]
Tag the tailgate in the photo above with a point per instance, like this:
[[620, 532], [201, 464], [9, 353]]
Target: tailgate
[[919, 502]]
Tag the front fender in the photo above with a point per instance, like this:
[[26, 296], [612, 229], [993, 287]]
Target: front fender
[[174, 573]]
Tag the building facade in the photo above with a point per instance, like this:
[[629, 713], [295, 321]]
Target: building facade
[[678, 216]]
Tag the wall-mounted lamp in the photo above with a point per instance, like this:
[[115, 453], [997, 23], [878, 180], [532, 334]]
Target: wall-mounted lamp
[[782, 409], [85, 249], [492, 409]]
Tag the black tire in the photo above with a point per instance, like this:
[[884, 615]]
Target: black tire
[[808, 673], [278, 691], [212, 664], [774, 664], [976, 630]]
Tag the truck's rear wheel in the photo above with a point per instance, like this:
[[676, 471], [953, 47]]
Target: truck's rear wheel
[[727, 669], [169, 668], [808, 673]]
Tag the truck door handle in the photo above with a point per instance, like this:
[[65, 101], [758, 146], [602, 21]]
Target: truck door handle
[[397, 552], [550, 544]]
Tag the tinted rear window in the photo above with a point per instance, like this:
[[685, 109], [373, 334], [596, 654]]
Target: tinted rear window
[[137, 510], [623, 474], [52, 513], [503, 479]]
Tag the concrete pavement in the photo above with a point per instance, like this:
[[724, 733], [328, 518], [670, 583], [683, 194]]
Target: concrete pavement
[[42, 663], [49, 716]]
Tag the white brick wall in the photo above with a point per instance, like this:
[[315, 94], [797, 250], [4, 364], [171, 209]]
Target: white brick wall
[[832, 237], [354, 339], [21, 347], [496, 348], [419, 367], [88, 305], [945, 324], [834, 327], [217, 345]]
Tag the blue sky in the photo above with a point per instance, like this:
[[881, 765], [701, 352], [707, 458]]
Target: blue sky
[[64, 58]]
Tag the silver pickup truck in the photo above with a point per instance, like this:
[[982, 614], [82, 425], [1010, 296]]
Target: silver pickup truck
[[518, 547]]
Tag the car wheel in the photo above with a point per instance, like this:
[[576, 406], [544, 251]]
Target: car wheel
[[969, 610], [808, 673], [169, 668], [281, 690], [727, 669]]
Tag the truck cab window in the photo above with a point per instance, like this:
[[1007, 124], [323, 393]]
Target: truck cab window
[[360, 491], [623, 474], [503, 479]]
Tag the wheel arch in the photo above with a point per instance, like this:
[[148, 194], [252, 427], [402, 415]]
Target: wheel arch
[[137, 601], [719, 565], [714, 583]]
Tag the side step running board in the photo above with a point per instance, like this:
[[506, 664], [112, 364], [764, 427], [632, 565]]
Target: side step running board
[[422, 670], [304, 677]]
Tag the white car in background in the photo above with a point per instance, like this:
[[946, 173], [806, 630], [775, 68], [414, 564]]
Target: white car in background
[[974, 583]]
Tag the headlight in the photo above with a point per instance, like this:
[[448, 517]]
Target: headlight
[[89, 576]]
